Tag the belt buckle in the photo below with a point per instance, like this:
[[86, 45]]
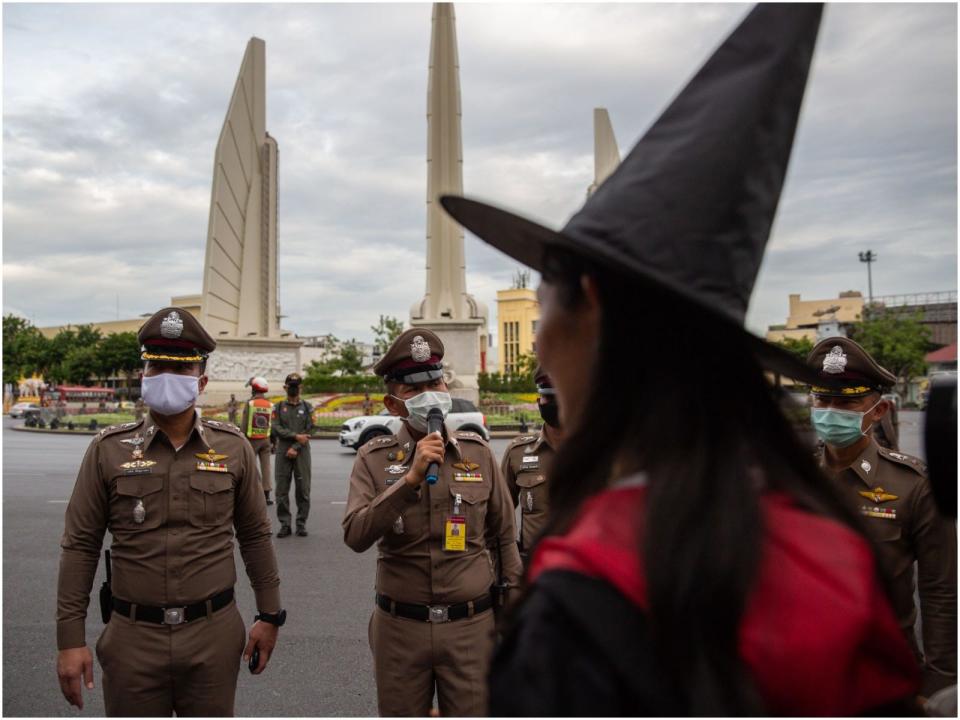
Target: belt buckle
[[438, 613], [174, 616]]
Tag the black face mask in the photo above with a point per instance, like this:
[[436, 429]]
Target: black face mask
[[550, 412]]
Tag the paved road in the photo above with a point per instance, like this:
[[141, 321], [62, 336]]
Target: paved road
[[322, 665]]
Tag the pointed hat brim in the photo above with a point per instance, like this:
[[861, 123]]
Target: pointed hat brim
[[528, 242]]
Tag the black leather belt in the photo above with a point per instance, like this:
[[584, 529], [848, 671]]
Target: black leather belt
[[433, 613], [173, 615]]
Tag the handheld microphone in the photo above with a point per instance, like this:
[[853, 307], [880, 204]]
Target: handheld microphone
[[434, 424]]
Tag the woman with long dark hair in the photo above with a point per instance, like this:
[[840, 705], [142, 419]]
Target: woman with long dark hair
[[696, 562]]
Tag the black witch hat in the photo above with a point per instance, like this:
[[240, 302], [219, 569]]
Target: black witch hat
[[690, 208]]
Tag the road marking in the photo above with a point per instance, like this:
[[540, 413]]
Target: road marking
[[338, 502], [58, 501]]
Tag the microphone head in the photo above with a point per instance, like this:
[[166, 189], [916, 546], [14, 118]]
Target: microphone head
[[435, 413]]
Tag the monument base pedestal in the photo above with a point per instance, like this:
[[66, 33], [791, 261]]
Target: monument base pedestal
[[236, 360], [462, 354]]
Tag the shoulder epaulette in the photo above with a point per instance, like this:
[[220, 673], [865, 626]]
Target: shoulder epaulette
[[379, 442], [122, 427], [914, 463], [522, 440], [226, 427], [469, 435]]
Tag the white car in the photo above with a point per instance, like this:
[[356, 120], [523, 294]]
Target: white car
[[17, 410], [357, 432]]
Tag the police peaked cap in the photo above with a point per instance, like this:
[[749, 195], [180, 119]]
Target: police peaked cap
[[840, 361], [414, 358], [174, 335]]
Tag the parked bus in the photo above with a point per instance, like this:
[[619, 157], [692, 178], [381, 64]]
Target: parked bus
[[77, 398]]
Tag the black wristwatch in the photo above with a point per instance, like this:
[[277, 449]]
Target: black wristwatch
[[277, 619]]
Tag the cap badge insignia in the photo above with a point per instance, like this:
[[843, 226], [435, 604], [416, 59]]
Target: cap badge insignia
[[878, 495], [867, 467], [210, 456], [172, 326], [139, 512], [419, 349], [835, 361]]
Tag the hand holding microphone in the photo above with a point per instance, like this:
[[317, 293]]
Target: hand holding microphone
[[429, 454], [434, 425]]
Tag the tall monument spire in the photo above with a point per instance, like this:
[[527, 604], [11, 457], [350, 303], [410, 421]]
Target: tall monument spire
[[447, 308], [240, 272], [606, 155], [446, 292]]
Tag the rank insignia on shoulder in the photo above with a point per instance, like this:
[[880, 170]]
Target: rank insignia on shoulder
[[467, 477], [867, 467], [211, 466], [878, 495], [466, 466], [210, 456]]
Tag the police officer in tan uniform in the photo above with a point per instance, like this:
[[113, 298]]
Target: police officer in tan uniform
[[173, 490], [890, 490], [255, 424], [526, 466], [432, 628]]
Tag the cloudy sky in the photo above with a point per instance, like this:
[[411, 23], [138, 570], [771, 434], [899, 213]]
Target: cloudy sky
[[111, 114]]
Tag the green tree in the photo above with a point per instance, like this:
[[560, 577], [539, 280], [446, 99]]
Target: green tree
[[80, 364], [119, 354], [898, 343], [24, 347], [386, 331], [800, 347], [350, 361], [527, 365]]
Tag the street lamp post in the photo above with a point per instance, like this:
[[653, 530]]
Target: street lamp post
[[869, 257]]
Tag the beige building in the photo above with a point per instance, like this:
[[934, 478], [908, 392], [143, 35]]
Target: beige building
[[518, 313], [806, 315], [111, 327]]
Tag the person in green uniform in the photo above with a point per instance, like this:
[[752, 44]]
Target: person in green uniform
[[292, 425]]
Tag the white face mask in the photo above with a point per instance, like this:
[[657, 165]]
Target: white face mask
[[419, 405], [169, 393]]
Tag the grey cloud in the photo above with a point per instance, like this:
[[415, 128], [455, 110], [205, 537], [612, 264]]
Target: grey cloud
[[109, 134]]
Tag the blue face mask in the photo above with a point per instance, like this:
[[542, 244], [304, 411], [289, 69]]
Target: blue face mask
[[838, 428]]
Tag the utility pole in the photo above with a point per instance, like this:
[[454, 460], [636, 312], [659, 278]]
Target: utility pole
[[869, 257]]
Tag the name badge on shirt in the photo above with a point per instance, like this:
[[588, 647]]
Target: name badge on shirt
[[530, 462], [455, 537]]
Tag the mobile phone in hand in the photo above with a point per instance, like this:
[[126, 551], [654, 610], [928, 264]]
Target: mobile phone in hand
[[254, 659]]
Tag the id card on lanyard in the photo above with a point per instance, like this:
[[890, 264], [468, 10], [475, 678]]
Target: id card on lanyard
[[455, 533]]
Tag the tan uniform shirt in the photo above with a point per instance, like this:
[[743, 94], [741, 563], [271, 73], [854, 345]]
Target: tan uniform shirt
[[172, 522], [525, 465], [891, 492], [408, 523]]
